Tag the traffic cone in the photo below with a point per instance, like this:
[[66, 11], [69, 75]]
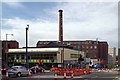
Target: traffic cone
[[72, 75], [35, 70], [0, 73], [6, 77], [43, 71], [55, 77], [39, 74], [29, 74], [64, 75]]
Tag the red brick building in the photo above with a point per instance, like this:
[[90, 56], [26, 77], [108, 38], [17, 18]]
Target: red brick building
[[119, 56], [8, 45], [93, 49]]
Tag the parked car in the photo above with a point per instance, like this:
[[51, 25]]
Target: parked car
[[36, 69], [18, 71]]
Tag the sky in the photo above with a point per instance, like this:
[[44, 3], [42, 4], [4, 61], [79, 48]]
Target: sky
[[81, 21]]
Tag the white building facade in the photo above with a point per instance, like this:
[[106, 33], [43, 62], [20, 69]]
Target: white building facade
[[111, 55]]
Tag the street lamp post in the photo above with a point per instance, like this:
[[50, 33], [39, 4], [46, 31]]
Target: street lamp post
[[6, 50], [27, 46]]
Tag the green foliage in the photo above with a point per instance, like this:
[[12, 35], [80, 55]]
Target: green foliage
[[111, 65]]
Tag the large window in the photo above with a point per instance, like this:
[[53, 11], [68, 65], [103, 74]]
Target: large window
[[43, 56], [74, 55], [22, 57], [95, 46], [17, 56]]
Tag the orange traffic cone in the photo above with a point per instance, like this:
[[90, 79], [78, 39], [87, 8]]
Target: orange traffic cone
[[29, 74], [55, 77], [72, 75], [39, 74], [35, 70], [6, 77], [64, 75], [43, 71]]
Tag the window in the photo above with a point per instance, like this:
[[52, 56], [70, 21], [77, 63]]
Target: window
[[90, 42], [91, 47], [74, 55], [87, 47], [95, 46], [82, 46], [17, 56], [22, 57], [28, 57], [8, 46]]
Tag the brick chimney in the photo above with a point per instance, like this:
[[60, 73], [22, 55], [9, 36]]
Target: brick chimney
[[60, 26]]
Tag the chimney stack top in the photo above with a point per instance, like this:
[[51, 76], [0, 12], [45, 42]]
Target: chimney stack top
[[60, 10]]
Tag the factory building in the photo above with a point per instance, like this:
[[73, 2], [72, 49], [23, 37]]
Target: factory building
[[46, 56], [5, 45], [93, 49], [62, 52]]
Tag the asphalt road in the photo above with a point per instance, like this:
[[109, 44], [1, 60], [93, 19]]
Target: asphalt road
[[93, 76], [102, 75]]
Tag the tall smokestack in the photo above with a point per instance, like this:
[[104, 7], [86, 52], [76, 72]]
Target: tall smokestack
[[60, 26]]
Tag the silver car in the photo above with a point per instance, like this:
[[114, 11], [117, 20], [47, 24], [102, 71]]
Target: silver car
[[18, 71]]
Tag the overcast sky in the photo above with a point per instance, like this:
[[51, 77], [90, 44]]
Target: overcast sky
[[81, 21]]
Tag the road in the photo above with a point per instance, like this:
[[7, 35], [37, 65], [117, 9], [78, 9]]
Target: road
[[93, 76]]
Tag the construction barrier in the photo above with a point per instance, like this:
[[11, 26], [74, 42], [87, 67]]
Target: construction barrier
[[71, 71]]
